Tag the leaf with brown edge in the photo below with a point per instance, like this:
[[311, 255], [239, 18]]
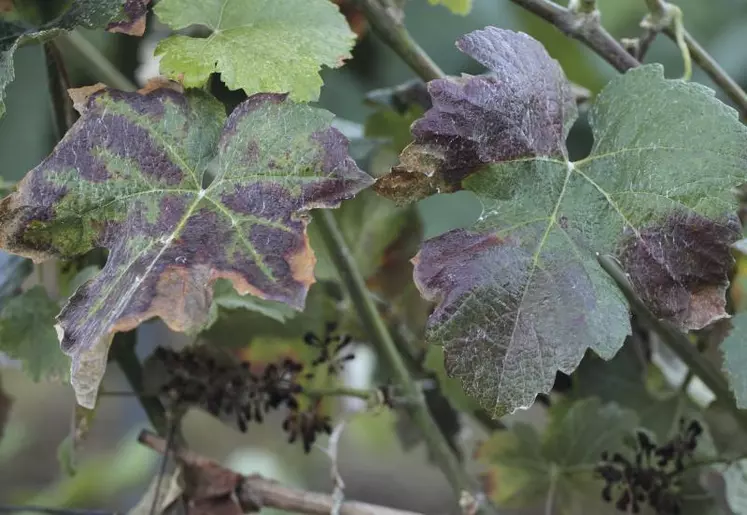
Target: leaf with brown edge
[[521, 295], [132, 21], [180, 196], [21, 24]]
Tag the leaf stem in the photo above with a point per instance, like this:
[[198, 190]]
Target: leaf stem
[[379, 334], [678, 343], [386, 19], [101, 67], [123, 353]]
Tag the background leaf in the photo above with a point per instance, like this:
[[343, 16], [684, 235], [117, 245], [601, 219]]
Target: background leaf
[[256, 45], [525, 468], [734, 348], [27, 334], [149, 205], [522, 295]]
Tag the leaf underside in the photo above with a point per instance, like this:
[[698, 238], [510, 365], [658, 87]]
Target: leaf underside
[[180, 196], [258, 45], [125, 16], [521, 295]]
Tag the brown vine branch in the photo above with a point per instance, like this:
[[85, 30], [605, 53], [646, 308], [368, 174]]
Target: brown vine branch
[[257, 492], [584, 27]]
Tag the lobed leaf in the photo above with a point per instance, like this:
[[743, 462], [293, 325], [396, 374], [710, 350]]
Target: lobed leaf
[[16, 29], [27, 334], [622, 380], [180, 196], [256, 45], [521, 295], [526, 468]]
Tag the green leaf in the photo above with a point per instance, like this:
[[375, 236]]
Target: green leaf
[[734, 348], [389, 124], [462, 7], [526, 468], [13, 271], [145, 195], [256, 45], [225, 296], [522, 295], [27, 334], [16, 29], [622, 380]]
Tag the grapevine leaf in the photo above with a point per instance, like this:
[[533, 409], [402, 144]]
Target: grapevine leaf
[[226, 297], [622, 380], [522, 294], [129, 176], [13, 271], [462, 7], [127, 16], [256, 45], [27, 334], [734, 348], [526, 467], [735, 479]]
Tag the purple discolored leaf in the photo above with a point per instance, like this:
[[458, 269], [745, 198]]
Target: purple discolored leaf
[[132, 21], [180, 196], [523, 110], [521, 295]]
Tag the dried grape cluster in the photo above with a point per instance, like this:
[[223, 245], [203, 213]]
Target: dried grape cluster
[[232, 389], [654, 477]]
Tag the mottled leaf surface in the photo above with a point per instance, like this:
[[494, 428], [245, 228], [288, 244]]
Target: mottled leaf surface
[[19, 26], [526, 468], [734, 349], [256, 45], [521, 294], [27, 334], [462, 7], [132, 176]]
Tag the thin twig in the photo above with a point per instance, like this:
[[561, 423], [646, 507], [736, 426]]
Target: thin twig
[[53, 511], [379, 334], [717, 74], [658, 10], [585, 28], [678, 343], [272, 494]]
